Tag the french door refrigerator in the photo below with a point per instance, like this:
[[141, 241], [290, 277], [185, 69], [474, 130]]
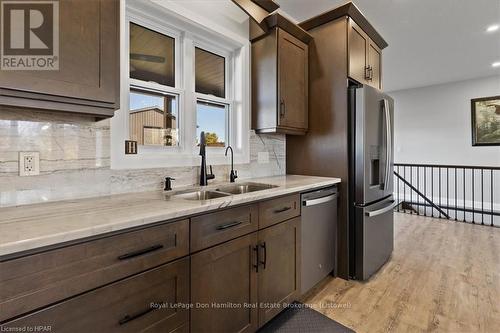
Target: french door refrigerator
[[371, 220]]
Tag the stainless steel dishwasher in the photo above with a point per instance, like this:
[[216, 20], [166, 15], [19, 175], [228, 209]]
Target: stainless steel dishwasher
[[319, 234]]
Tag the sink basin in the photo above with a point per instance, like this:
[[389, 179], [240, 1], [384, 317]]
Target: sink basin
[[244, 188], [200, 195]]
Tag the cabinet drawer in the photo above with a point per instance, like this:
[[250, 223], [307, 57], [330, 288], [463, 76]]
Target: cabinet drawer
[[278, 210], [125, 306], [216, 228], [34, 281]]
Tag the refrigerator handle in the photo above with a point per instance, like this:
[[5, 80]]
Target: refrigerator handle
[[388, 143], [384, 210]]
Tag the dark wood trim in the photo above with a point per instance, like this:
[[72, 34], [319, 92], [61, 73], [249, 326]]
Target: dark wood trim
[[256, 13], [281, 130], [97, 112], [349, 9], [277, 20], [268, 5], [473, 120]]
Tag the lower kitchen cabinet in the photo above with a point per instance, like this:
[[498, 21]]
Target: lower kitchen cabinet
[[279, 273], [142, 303], [223, 280], [242, 284]]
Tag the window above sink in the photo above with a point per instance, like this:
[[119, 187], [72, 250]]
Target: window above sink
[[181, 75]]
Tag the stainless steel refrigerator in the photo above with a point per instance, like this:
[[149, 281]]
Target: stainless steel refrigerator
[[371, 220]]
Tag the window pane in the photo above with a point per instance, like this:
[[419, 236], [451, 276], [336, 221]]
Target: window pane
[[153, 119], [210, 73], [211, 118], [151, 56]]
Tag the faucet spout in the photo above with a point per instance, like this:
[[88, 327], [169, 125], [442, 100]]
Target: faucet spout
[[233, 174], [204, 177]]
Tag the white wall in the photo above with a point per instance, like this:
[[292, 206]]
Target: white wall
[[433, 124]]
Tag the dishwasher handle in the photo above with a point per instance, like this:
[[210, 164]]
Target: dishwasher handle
[[318, 201]]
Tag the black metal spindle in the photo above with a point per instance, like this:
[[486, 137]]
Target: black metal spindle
[[482, 198], [464, 191], [473, 188], [425, 189], [456, 194], [432, 188], [418, 188], [411, 192], [439, 170], [448, 191], [491, 195], [404, 187], [398, 189]]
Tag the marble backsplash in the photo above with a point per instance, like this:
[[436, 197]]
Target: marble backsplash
[[75, 160]]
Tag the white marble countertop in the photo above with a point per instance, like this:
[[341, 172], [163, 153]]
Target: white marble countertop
[[32, 226]]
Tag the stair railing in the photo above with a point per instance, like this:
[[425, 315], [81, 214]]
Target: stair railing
[[456, 192]]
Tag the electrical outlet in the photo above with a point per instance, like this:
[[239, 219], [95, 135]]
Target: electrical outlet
[[29, 163]]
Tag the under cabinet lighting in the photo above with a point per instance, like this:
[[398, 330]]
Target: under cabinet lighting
[[493, 28], [495, 64]]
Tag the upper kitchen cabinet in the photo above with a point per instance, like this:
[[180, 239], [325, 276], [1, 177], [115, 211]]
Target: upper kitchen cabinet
[[364, 57], [76, 53], [363, 46], [280, 62]]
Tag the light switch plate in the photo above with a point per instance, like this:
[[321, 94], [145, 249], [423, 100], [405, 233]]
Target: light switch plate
[[29, 163], [262, 157], [130, 147]]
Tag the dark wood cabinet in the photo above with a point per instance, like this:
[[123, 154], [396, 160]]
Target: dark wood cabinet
[[243, 266], [364, 56], [142, 303], [280, 83], [225, 275], [34, 281], [87, 81], [279, 273], [256, 273], [215, 228], [293, 81], [278, 210]]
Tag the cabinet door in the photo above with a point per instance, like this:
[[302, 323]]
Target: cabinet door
[[293, 81], [358, 43], [88, 57], [225, 275], [146, 302], [279, 273], [375, 65]]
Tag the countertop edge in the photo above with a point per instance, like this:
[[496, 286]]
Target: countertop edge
[[8, 250]]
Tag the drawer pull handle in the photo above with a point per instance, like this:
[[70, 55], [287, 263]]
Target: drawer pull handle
[[228, 225], [128, 318], [284, 209], [256, 266], [140, 252], [263, 246]]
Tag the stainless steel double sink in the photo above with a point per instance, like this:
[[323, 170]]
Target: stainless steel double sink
[[221, 191]]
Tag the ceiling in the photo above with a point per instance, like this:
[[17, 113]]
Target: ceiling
[[430, 41]]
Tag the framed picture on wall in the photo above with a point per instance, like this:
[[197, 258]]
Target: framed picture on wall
[[485, 121]]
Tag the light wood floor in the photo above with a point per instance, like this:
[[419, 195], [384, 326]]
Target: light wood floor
[[443, 277]]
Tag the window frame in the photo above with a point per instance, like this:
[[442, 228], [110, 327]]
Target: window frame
[[189, 31], [228, 86], [141, 88]]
